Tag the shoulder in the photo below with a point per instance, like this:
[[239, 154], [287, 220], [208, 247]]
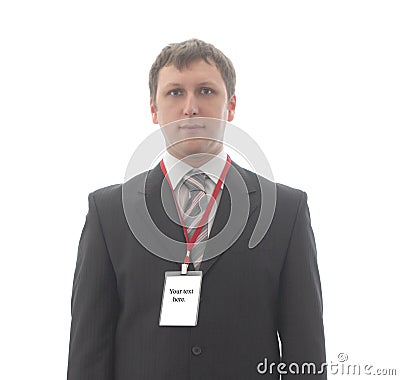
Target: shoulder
[[286, 201], [284, 193], [111, 196], [106, 193]]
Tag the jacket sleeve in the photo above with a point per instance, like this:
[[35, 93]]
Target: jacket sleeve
[[301, 329], [94, 306]]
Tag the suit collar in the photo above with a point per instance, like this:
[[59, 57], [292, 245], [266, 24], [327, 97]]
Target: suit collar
[[155, 177], [176, 168], [155, 184]]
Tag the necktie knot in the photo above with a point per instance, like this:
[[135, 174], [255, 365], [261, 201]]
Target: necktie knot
[[195, 181]]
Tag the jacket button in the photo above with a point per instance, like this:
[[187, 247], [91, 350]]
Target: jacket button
[[196, 350]]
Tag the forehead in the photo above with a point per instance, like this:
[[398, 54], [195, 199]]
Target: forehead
[[196, 72]]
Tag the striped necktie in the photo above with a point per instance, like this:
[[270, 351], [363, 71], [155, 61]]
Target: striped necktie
[[193, 211]]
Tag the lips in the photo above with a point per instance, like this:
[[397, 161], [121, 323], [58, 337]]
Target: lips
[[191, 127]]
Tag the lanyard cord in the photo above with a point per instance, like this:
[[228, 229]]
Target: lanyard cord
[[191, 241]]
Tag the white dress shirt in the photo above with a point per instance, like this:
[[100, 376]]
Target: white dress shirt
[[177, 169]]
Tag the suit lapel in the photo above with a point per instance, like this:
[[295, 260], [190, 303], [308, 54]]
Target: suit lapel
[[153, 209], [161, 205], [235, 177]]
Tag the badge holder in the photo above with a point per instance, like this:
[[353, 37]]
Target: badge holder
[[181, 298]]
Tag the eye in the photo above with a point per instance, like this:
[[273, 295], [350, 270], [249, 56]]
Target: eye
[[206, 91], [175, 92]]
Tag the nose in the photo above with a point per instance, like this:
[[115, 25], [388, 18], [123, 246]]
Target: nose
[[190, 107]]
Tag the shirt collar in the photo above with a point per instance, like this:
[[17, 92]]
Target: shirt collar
[[176, 168]]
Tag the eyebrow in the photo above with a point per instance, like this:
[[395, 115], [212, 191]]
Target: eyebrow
[[207, 83], [175, 84], [171, 84]]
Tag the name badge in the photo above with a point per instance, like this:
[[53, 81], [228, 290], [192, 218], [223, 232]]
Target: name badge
[[181, 297]]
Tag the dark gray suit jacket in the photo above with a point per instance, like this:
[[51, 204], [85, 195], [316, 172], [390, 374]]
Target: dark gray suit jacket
[[248, 297]]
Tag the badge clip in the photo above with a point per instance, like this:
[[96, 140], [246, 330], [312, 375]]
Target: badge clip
[[185, 263]]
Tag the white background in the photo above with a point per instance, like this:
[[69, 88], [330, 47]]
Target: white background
[[318, 88]]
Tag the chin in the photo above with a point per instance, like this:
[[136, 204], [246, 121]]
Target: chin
[[188, 148]]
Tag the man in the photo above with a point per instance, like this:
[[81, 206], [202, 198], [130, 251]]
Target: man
[[250, 298]]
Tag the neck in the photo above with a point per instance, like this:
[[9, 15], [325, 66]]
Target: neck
[[196, 159]]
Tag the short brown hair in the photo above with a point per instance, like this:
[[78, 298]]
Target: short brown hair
[[183, 53]]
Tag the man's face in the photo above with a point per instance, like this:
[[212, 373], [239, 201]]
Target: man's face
[[196, 91]]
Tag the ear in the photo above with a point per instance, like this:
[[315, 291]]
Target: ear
[[153, 110], [231, 108]]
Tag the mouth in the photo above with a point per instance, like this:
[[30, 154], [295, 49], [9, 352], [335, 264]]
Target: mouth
[[191, 127]]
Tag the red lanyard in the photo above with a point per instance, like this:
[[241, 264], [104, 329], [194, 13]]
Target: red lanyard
[[190, 242]]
